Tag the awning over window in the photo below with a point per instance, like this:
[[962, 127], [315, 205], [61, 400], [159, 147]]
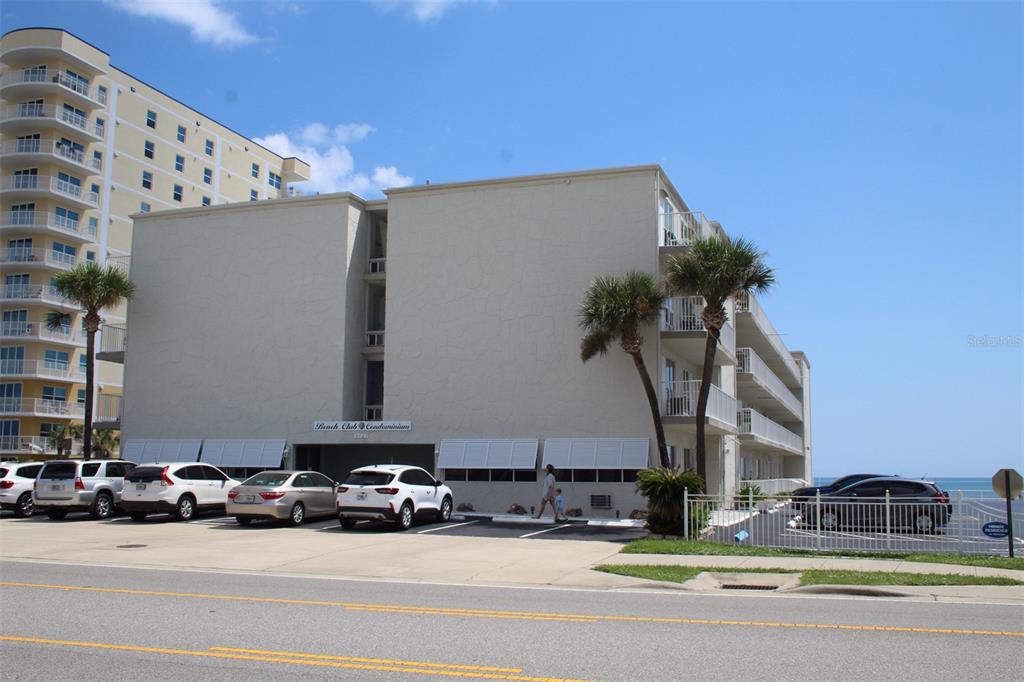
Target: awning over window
[[251, 454], [596, 453], [149, 450], [488, 454]]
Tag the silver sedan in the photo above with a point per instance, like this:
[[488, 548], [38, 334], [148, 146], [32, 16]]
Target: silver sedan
[[291, 496]]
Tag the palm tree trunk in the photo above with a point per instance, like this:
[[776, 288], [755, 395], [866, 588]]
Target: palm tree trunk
[[652, 399], [710, 347], [90, 346]]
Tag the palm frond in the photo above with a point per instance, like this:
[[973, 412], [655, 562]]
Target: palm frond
[[595, 343], [718, 269], [56, 320]]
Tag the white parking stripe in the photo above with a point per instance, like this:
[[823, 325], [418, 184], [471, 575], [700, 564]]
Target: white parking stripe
[[546, 530], [454, 525]]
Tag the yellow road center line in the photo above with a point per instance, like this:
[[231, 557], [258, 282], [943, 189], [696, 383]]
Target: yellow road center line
[[515, 615], [357, 659], [291, 660]]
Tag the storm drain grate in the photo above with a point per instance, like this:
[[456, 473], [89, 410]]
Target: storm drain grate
[[131, 546], [750, 587]]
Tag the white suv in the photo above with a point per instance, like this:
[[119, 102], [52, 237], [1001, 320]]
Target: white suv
[[16, 480], [392, 492], [178, 488]]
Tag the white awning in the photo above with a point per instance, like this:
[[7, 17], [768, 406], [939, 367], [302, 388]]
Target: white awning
[[597, 453], [251, 454], [488, 454], [149, 450]]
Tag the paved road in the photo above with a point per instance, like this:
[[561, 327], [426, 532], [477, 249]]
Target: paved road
[[61, 620]]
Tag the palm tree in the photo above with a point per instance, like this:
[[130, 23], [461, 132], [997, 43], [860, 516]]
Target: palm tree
[[717, 269], [63, 433], [94, 289], [104, 442], [619, 308]]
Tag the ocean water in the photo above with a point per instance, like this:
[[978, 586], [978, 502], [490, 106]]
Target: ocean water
[[975, 487]]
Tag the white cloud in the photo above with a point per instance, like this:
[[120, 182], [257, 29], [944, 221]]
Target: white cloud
[[332, 167], [423, 11], [208, 22]]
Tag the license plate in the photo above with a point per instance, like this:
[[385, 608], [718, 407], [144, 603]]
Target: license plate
[[360, 496], [140, 486], [56, 487], [245, 499]]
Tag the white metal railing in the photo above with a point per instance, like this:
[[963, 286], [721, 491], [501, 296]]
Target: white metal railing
[[25, 444], [108, 408], [39, 75], [39, 330], [43, 406], [34, 292], [679, 399], [745, 303], [683, 314], [377, 265], [47, 182], [375, 338], [113, 338], [756, 424], [72, 118], [48, 146], [42, 219], [122, 263], [17, 254], [683, 228], [48, 369], [749, 362], [373, 413]]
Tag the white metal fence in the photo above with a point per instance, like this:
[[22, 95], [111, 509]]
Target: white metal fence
[[852, 524]]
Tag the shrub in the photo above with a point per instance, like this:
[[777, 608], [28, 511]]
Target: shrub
[[664, 489], [746, 491]]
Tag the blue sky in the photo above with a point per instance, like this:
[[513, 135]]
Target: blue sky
[[874, 149]]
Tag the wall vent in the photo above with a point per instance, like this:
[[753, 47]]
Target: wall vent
[[600, 501]]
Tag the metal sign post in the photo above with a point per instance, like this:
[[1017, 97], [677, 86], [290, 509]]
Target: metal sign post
[[1008, 484]]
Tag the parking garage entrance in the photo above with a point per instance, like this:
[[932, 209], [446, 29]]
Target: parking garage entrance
[[337, 460]]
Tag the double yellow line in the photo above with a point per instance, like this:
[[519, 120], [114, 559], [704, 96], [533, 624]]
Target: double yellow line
[[477, 672]]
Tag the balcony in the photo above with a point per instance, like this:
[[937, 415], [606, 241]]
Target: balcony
[[122, 263], [108, 412], [679, 230], [25, 186], [26, 83], [27, 258], [761, 387], [42, 369], [683, 332], [375, 269], [758, 432], [113, 340], [24, 445], [38, 331], [40, 407], [35, 293], [46, 150], [758, 333], [679, 407], [374, 342], [40, 221], [26, 118], [373, 413]]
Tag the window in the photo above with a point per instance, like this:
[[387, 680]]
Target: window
[[501, 475], [206, 201], [254, 195], [46, 428], [274, 180], [525, 475], [97, 160], [321, 481], [609, 475], [151, 119], [256, 170], [455, 474], [213, 474], [181, 133], [207, 176], [118, 469], [478, 474], [209, 147], [57, 393], [94, 225], [82, 360], [179, 163], [302, 481], [90, 256], [100, 125], [147, 180], [144, 207], [149, 149], [90, 469], [176, 194], [101, 94], [584, 475], [81, 396], [95, 189]]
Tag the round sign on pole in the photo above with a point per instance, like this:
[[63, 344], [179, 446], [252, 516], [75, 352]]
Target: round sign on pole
[[1006, 486]]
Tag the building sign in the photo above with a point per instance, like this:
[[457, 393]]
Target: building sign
[[362, 427]]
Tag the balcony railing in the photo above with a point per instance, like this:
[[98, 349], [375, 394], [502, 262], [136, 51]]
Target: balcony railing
[[122, 263], [108, 408], [32, 330], [29, 256], [41, 406], [377, 266], [55, 147], [679, 399], [71, 118], [34, 292], [682, 229], [41, 219], [756, 424], [25, 444], [113, 338], [683, 314], [749, 362], [375, 338], [745, 303], [44, 369], [49, 183], [37, 75]]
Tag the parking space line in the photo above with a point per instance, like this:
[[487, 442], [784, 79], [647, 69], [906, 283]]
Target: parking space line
[[546, 530], [454, 525]]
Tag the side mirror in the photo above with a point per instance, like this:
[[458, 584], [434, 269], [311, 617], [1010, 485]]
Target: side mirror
[[437, 484]]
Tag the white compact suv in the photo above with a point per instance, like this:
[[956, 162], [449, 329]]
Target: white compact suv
[[178, 488], [392, 492], [16, 480]]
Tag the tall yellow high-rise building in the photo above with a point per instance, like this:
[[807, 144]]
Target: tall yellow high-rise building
[[84, 146]]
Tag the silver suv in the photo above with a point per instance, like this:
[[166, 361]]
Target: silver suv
[[75, 485]]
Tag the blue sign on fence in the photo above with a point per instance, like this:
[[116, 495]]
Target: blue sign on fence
[[995, 529]]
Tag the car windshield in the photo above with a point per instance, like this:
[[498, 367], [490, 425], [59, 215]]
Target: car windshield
[[369, 478], [267, 478], [144, 474], [58, 470]]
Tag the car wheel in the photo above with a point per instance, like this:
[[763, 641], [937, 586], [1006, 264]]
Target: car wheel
[[243, 520], [56, 514], [186, 508], [924, 523], [445, 512], [405, 517], [298, 514], [102, 507], [25, 506], [348, 524], [137, 516], [829, 520]]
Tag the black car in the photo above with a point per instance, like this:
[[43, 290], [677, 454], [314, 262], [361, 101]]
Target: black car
[[882, 503], [802, 495]]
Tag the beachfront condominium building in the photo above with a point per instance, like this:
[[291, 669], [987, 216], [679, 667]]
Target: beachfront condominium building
[[439, 327], [84, 147]]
